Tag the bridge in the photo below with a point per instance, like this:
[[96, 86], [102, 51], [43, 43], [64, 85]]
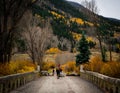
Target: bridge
[[87, 82], [51, 84]]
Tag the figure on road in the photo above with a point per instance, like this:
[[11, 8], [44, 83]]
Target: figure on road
[[53, 72], [58, 70]]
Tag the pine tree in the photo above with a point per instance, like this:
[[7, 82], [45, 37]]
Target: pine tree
[[84, 52]]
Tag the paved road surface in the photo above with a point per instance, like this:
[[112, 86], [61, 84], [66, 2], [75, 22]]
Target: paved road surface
[[50, 84]]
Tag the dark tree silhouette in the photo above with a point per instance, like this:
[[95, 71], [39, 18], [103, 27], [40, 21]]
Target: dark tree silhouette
[[11, 12], [84, 53]]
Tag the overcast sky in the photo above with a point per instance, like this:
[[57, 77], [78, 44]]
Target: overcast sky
[[108, 8]]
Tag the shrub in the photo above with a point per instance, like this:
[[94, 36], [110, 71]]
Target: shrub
[[48, 65], [53, 50], [96, 64], [111, 69], [16, 67], [70, 67], [4, 69]]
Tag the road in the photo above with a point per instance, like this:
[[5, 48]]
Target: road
[[50, 84]]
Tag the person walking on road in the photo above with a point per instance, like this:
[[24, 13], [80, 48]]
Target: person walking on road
[[53, 72], [58, 71]]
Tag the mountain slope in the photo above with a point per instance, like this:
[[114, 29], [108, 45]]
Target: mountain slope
[[67, 19], [113, 21]]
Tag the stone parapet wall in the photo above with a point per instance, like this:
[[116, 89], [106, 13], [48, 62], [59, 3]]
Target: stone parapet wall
[[12, 82], [107, 84]]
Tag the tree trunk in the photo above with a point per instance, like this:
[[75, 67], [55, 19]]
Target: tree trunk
[[110, 50], [4, 37], [102, 50], [3, 57], [33, 57], [72, 46]]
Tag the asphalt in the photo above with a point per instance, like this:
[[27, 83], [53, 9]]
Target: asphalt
[[50, 84]]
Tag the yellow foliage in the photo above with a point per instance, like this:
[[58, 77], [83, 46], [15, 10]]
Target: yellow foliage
[[28, 69], [21, 71], [16, 67], [76, 36], [80, 21], [4, 69], [89, 23], [89, 39], [94, 61], [70, 67], [48, 65], [56, 14], [53, 50], [109, 68]]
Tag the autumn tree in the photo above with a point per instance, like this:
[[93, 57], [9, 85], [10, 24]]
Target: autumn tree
[[11, 12], [37, 34], [44, 39]]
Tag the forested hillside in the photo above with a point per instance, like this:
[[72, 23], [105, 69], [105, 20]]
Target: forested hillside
[[68, 21]]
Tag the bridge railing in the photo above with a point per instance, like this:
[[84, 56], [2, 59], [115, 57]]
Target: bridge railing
[[11, 82], [107, 84]]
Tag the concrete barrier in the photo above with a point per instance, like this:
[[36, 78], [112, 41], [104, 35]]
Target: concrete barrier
[[11, 82], [107, 84]]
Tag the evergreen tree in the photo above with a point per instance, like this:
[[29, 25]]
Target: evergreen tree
[[84, 53]]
